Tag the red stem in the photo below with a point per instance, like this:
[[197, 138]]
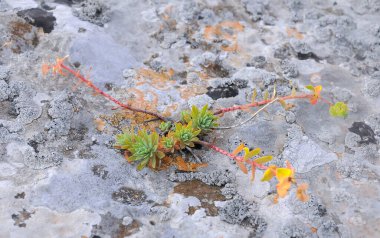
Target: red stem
[[234, 157], [261, 103], [109, 97]]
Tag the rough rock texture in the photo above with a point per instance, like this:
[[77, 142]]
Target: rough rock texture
[[60, 175]]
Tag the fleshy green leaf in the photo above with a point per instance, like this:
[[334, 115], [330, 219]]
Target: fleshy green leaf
[[310, 87], [339, 109], [142, 164]]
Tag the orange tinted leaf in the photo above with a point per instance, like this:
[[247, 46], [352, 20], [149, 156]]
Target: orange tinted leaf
[[283, 187], [238, 149], [188, 167], [282, 102], [126, 156], [253, 172], [166, 162], [288, 165], [318, 89], [264, 159], [301, 192], [242, 167], [275, 199], [45, 68]]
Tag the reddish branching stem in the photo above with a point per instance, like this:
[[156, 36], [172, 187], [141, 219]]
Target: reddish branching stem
[[234, 157], [107, 96], [264, 102]]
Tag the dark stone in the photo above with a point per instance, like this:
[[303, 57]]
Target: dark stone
[[68, 2], [39, 18], [34, 145], [20, 195], [225, 91], [367, 135], [309, 55], [129, 196], [99, 170], [21, 218], [216, 71]]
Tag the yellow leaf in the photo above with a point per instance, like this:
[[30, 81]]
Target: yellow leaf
[[238, 149], [293, 91], [274, 92], [264, 159], [249, 154], [269, 173], [266, 95], [254, 95], [283, 173], [242, 167]]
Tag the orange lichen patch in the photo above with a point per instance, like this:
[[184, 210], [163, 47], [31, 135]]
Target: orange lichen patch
[[100, 124], [227, 30], [158, 80], [139, 99], [203, 75], [170, 109], [293, 32], [231, 48], [301, 192], [21, 35], [191, 91], [313, 229], [167, 17]]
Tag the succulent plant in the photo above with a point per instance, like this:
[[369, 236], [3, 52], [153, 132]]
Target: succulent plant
[[168, 142], [202, 119], [143, 147], [125, 141], [186, 134], [339, 109], [165, 126]]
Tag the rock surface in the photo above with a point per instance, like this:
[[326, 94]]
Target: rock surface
[[60, 175]]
